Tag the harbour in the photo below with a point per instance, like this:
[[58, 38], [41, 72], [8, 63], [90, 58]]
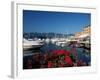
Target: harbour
[[56, 39]]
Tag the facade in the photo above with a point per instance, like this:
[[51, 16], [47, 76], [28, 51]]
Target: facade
[[85, 32]]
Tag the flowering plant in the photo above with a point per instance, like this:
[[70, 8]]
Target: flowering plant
[[56, 58], [61, 58]]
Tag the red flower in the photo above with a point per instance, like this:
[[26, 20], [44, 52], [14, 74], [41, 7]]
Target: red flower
[[68, 60], [60, 52], [50, 64], [67, 53]]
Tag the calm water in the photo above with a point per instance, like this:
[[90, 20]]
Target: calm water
[[84, 56], [29, 59]]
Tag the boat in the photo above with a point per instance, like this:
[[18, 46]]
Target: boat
[[32, 44], [61, 43]]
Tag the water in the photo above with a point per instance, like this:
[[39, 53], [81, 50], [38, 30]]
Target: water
[[42, 50], [81, 54], [50, 47]]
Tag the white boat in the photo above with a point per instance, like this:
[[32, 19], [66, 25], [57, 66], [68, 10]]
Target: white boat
[[61, 43], [54, 40], [28, 44], [47, 40]]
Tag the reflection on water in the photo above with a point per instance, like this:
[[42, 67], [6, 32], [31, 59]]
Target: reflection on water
[[42, 50], [33, 61]]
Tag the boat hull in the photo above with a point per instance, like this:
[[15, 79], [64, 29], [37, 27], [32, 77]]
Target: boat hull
[[31, 47]]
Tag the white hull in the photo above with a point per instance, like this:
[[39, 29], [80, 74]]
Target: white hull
[[31, 47], [31, 44]]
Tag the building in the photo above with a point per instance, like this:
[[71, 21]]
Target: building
[[86, 31], [84, 34]]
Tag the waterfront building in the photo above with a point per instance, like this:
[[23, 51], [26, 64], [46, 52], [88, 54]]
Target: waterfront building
[[85, 32], [83, 35]]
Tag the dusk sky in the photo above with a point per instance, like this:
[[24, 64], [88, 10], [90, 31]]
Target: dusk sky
[[58, 22]]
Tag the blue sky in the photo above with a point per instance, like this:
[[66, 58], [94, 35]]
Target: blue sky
[[58, 22]]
